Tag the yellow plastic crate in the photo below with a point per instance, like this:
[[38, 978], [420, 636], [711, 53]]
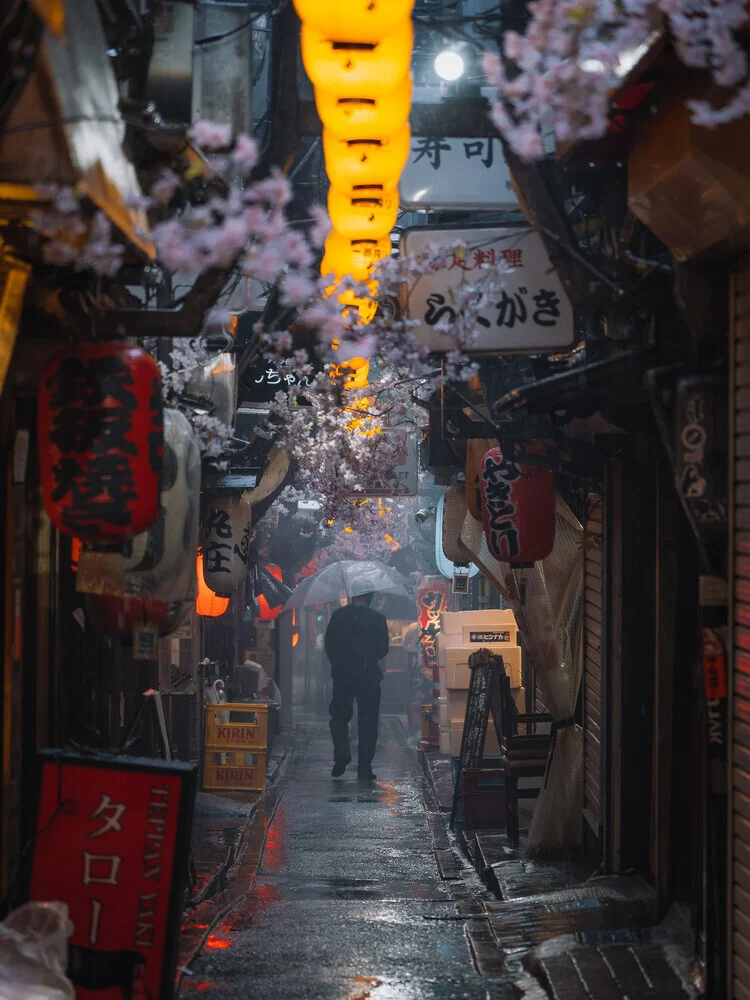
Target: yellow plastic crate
[[252, 732], [233, 770]]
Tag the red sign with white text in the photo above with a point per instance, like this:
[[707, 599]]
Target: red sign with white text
[[112, 843], [432, 600]]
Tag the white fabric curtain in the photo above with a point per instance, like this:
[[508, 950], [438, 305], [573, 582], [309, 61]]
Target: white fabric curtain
[[548, 604]]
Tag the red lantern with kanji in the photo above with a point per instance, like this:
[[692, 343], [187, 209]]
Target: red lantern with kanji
[[116, 617], [266, 612], [518, 509], [101, 440]]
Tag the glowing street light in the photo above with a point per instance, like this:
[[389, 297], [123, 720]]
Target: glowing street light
[[449, 65]]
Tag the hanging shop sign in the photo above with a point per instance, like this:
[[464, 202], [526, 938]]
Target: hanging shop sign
[[101, 440], [227, 529], [457, 174], [532, 313], [160, 563], [518, 509], [403, 479], [432, 600], [208, 604], [701, 459], [112, 843], [445, 565]]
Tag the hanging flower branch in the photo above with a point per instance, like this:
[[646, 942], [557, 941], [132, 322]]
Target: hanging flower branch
[[338, 436], [573, 55]]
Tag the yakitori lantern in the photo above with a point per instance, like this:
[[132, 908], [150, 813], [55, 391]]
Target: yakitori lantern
[[350, 162], [226, 543], [356, 117], [357, 70], [101, 440], [518, 509], [355, 20], [368, 214], [354, 257], [265, 612], [475, 452], [208, 604]]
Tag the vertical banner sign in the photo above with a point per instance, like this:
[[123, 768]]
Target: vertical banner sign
[[113, 836], [432, 600]]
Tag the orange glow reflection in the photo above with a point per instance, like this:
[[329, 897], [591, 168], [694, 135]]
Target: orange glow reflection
[[216, 943]]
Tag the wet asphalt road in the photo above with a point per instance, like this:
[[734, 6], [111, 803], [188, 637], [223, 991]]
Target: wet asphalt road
[[344, 900]]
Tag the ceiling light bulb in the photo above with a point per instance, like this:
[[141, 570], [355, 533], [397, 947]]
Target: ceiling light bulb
[[449, 65]]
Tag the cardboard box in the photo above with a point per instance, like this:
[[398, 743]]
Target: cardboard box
[[444, 716], [458, 673], [453, 622]]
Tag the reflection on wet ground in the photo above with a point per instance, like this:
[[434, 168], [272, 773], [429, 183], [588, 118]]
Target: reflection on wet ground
[[339, 895]]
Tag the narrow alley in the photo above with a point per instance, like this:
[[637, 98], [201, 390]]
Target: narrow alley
[[348, 898], [348, 891]]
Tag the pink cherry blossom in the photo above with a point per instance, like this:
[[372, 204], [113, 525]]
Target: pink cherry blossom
[[245, 152], [321, 227], [296, 290], [211, 135]]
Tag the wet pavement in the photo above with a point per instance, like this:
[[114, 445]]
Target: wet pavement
[[347, 891]]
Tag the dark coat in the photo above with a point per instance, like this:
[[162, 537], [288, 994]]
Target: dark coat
[[356, 638]]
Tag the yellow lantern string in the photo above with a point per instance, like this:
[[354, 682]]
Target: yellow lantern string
[[357, 56]]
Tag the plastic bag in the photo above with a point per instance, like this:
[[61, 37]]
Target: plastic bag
[[34, 953]]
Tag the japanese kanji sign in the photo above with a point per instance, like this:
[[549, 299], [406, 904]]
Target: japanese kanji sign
[[432, 600], [531, 313], [452, 173], [113, 841]]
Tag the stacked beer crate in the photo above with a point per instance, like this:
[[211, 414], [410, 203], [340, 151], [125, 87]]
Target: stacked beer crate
[[236, 747], [461, 634]]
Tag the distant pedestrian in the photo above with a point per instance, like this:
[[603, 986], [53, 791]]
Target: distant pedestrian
[[356, 638]]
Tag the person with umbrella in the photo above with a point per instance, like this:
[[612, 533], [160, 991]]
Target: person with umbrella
[[356, 638]]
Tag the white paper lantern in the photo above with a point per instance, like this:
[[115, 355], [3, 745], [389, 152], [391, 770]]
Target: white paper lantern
[[227, 527]]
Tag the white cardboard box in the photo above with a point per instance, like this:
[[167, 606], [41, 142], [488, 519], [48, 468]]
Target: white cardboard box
[[458, 673], [453, 622]]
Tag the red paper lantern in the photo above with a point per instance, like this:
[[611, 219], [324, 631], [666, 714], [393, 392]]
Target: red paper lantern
[[208, 604], [518, 509], [101, 440], [117, 616], [267, 613]]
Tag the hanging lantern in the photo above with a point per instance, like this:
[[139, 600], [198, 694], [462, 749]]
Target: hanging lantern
[[357, 118], [358, 370], [353, 257], [116, 617], [518, 509], [369, 214], [356, 20], [357, 70], [350, 162], [101, 439], [445, 564], [208, 604], [266, 612], [227, 530], [475, 452], [158, 564]]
